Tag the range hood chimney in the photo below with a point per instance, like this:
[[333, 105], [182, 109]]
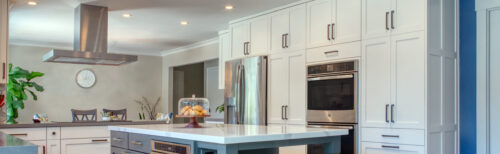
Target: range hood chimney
[[91, 40]]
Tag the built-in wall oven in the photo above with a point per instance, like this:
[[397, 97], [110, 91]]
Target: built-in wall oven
[[332, 101]]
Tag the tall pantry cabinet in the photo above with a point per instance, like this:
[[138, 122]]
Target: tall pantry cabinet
[[408, 77], [4, 41]]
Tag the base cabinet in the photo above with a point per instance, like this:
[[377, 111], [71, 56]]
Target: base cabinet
[[301, 149], [41, 146], [86, 146], [53, 147], [381, 148]]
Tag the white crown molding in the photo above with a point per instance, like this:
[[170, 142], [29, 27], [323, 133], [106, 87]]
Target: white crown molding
[[191, 46], [269, 11]]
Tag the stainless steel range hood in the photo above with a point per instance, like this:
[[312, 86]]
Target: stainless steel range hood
[[91, 40]]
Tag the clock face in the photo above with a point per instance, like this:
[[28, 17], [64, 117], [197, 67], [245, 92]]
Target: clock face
[[85, 78]]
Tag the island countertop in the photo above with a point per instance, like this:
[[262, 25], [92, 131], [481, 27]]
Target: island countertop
[[231, 134]]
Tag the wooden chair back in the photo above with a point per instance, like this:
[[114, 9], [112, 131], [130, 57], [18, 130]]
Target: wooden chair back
[[83, 115]]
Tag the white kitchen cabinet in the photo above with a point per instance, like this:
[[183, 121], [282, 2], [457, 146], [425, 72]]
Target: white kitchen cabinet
[[224, 55], [386, 17], [53, 147], [375, 83], [86, 146], [41, 145], [240, 36], [287, 88], [381, 148], [259, 36], [394, 82], [301, 149], [333, 22], [409, 81], [288, 28], [4, 41]]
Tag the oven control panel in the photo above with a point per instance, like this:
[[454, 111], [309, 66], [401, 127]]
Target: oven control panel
[[160, 147], [332, 68]]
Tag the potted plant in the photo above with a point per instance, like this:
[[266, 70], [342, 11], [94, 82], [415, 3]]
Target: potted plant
[[20, 83], [148, 107]]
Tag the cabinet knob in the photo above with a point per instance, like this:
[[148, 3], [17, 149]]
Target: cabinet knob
[[53, 133]]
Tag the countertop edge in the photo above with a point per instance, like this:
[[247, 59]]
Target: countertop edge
[[79, 124]]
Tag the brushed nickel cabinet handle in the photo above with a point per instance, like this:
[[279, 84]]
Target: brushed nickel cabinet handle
[[286, 112], [116, 139], [390, 147], [22, 134], [392, 113], [331, 52], [3, 71], [286, 40], [100, 140], [333, 31], [283, 41], [282, 108], [392, 19], [328, 31], [390, 136], [386, 113], [386, 20], [137, 143]]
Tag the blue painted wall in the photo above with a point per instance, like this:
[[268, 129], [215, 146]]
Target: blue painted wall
[[467, 77]]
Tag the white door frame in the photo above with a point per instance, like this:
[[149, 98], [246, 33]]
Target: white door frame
[[483, 8]]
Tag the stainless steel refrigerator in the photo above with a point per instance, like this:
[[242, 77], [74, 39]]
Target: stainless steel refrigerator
[[245, 94]]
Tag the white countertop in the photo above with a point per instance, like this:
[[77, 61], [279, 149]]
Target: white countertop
[[231, 134]]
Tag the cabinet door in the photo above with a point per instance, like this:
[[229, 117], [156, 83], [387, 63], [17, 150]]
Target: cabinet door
[[259, 36], [296, 39], [240, 35], [4, 40], [53, 146], [224, 54], [280, 25], [379, 148], [41, 146], [375, 18], [409, 87], [408, 16], [347, 19], [278, 87], [297, 88], [375, 82], [86, 146], [319, 15]]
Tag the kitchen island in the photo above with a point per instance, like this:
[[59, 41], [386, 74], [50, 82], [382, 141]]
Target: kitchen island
[[219, 138]]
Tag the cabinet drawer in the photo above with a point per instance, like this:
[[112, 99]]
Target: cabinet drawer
[[138, 142], [84, 132], [395, 136], [28, 134], [338, 51], [119, 139], [53, 133], [115, 150]]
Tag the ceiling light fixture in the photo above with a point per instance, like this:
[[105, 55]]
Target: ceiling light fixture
[[228, 7], [32, 3], [184, 23], [126, 15]]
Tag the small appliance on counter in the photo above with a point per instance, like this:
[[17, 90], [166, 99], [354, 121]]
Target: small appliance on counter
[[193, 108]]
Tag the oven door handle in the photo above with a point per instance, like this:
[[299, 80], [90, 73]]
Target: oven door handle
[[331, 77]]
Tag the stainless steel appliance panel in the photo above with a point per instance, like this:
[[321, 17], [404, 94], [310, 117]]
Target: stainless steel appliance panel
[[246, 91]]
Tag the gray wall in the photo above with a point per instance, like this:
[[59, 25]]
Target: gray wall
[[117, 86]]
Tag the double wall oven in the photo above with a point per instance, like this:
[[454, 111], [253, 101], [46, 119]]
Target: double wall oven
[[332, 101]]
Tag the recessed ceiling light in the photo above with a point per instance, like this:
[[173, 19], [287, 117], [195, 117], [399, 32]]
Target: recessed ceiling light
[[126, 15], [228, 7], [32, 3], [184, 23]]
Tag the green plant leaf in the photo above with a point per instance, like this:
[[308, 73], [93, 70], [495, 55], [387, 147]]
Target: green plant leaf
[[33, 75], [32, 94], [38, 87]]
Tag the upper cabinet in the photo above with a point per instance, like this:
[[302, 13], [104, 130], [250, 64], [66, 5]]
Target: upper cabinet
[[288, 28], [332, 22], [4, 40], [250, 37], [384, 17]]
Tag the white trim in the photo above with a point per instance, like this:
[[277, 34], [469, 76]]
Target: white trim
[[191, 46], [269, 11]]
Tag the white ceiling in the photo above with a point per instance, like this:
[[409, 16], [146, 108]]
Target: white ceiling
[[154, 26]]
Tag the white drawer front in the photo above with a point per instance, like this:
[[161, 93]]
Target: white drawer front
[[338, 51], [53, 133], [29, 134], [84, 132], [396, 136]]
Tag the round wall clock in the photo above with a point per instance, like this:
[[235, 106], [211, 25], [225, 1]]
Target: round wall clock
[[86, 78]]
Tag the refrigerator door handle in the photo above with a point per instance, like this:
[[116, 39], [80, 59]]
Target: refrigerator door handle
[[241, 75]]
